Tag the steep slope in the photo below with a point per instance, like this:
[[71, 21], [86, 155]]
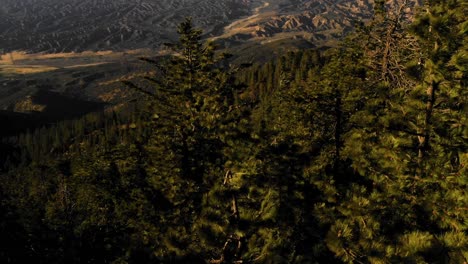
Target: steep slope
[[75, 25], [321, 22], [70, 25]]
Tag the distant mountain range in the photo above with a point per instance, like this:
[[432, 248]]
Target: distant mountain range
[[77, 25]]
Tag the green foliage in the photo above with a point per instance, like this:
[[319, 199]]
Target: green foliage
[[355, 154]]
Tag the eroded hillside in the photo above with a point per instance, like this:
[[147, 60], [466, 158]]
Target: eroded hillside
[[73, 25], [76, 25]]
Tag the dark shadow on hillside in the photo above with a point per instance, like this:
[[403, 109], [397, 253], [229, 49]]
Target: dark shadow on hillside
[[61, 107], [58, 107]]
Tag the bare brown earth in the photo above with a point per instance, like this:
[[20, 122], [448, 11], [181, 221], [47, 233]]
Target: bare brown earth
[[57, 26], [321, 22], [76, 25]]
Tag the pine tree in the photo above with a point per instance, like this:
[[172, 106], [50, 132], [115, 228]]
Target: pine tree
[[193, 120], [403, 146]]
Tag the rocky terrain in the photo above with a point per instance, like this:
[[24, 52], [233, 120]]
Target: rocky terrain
[[76, 25], [320, 22]]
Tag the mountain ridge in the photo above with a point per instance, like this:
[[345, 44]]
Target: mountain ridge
[[63, 26]]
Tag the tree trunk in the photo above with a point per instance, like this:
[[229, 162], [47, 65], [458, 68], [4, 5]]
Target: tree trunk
[[338, 128], [426, 131]]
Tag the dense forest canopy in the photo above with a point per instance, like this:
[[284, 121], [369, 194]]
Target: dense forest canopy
[[354, 154]]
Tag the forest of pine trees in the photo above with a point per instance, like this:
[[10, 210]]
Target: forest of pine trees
[[352, 154]]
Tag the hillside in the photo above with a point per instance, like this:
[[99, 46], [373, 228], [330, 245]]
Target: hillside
[[76, 25], [254, 31]]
